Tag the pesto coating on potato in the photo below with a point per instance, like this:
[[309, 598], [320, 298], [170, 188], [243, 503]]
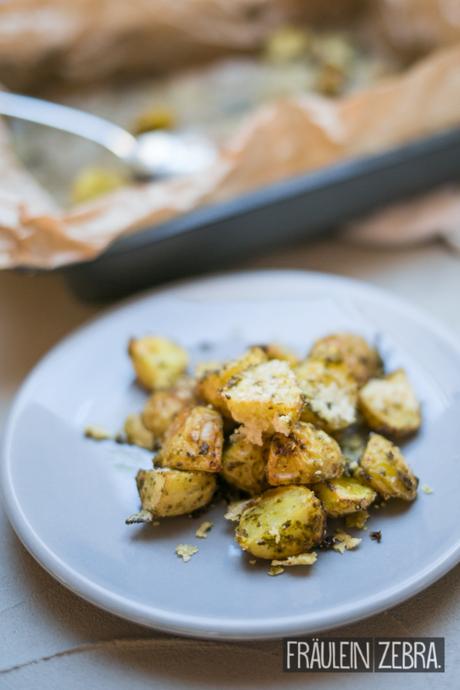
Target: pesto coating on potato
[[193, 441], [307, 456], [344, 495], [384, 468], [283, 522], [167, 493], [158, 362], [389, 405], [362, 360], [244, 464]]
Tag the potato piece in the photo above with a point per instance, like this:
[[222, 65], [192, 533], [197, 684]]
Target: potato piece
[[137, 434], [384, 468], [91, 183], [203, 368], [156, 117], [389, 405], [287, 44], [276, 351], [344, 495], [158, 362], [244, 464], [363, 361], [330, 394], [164, 405], [308, 455], [165, 492], [212, 381], [352, 442], [265, 399], [357, 520], [282, 522], [193, 441]]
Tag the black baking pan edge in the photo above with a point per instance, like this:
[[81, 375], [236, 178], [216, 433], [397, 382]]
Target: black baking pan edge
[[300, 207]]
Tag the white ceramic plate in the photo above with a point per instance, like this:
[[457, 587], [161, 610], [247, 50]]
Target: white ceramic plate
[[67, 496]]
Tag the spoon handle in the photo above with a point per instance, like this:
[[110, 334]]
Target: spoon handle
[[112, 137]]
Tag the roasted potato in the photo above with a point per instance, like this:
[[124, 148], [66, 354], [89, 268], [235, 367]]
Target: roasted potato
[[204, 368], [264, 399], [352, 442], [282, 522], [212, 380], [93, 182], [154, 118], [163, 405], [158, 362], [330, 394], [244, 464], [136, 432], [384, 468], [389, 405], [362, 360], [193, 441], [276, 351], [344, 495], [165, 492], [308, 455]]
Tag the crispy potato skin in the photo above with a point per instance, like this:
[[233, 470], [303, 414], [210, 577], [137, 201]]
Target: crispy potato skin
[[137, 433], [344, 495], [158, 362], [265, 399], [211, 383], [389, 405], [282, 522], [276, 351], [384, 468], [330, 394], [307, 456], [163, 405], [166, 493], [244, 464], [193, 441], [362, 360]]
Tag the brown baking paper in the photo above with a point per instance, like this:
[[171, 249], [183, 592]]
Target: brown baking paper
[[87, 40], [286, 138]]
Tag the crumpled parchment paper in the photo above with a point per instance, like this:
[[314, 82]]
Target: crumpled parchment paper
[[305, 133]]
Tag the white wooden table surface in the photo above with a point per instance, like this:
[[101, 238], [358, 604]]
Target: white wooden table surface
[[50, 639]]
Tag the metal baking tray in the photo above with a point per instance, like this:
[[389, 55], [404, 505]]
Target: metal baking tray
[[295, 209]]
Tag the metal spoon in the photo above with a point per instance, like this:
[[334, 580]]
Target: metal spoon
[[154, 154]]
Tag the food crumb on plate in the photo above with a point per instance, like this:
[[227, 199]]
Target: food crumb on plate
[[203, 530], [301, 559], [427, 489], [97, 433], [275, 570], [186, 551], [376, 536], [344, 542], [142, 517], [236, 508]]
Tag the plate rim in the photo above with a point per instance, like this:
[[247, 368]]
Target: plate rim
[[192, 625]]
